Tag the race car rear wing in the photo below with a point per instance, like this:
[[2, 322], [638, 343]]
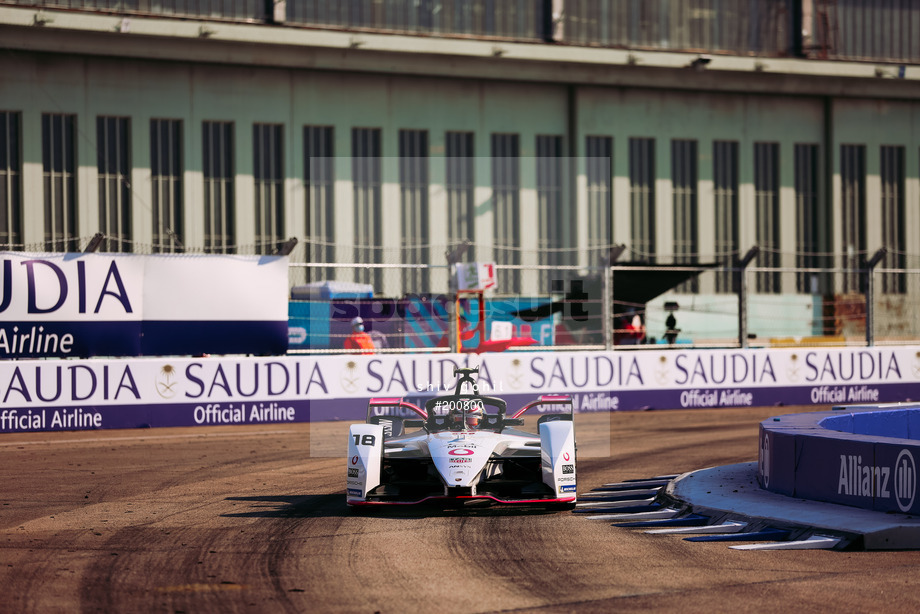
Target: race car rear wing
[[393, 414], [550, 399], [392, 406]]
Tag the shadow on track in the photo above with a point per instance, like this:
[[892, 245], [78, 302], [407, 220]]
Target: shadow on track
[[434, 511], [292, 506], [334, 506]]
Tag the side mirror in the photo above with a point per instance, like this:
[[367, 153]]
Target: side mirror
[[413, 424], [513, 422]]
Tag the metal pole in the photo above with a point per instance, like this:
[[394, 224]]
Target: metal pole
[[452, 308], [607, 307], [870, 294], [454, 256], [742, 295], [608, 304], [742, 308]]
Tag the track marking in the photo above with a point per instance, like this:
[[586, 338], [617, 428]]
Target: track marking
[[815, 542]]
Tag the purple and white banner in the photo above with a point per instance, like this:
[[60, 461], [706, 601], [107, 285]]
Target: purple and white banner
[[187, 391], [79, 305]]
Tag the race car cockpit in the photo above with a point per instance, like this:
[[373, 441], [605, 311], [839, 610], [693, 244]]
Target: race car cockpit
[[467, 410]]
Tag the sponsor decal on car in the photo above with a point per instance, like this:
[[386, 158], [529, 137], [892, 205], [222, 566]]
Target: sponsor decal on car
[[568, 469], [355, 492], [461, 452], [568, 488], [353, 472]]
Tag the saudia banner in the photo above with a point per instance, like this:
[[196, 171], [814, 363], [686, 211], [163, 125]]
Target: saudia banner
[[80, 305], [141, 392]]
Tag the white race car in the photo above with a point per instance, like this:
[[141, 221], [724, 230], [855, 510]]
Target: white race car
[[462, 447]]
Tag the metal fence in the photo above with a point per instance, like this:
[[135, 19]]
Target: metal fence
[[863, 30], [731, 26], [230, 10], [599, 307], [871, 30], [524, 20], [511, 19]]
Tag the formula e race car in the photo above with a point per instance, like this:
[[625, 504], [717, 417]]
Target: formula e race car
[[462, 447]]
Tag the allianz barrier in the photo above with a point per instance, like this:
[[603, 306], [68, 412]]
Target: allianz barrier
[[863, 456], [40, 395]]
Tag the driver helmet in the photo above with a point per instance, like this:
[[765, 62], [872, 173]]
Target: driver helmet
[[358, 324], [473, 417]]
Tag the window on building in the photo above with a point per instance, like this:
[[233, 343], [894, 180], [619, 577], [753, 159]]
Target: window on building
[[766, 211], [598, 175], [319, 188], [166, 170], [113, 153], [805, 161], [554, 221], [725, 196], [59, 176], [853, 215], [460, 186], [413, 192], [368, 216], [506, 195], [219, 198], [684, 182], [11, 180], [642, 198], [268, 175], [893, 233]]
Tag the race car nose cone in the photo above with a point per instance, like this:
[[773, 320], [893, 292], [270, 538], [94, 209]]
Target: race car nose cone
[[459, 461]]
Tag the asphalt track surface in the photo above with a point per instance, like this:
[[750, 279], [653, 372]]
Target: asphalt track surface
[[253, 519]]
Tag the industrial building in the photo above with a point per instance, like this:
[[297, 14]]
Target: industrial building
[[382, 132]]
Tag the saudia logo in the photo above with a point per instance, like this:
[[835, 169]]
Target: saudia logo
[[50, 282], [166, 382], [515, 376], [350, 377]]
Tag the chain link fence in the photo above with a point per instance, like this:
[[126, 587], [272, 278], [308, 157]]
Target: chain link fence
[[624, 306]]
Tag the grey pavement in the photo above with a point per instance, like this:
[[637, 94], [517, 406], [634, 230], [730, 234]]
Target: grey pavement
[[733, 489]]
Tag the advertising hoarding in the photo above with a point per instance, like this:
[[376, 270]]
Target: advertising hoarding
[[78, 305]]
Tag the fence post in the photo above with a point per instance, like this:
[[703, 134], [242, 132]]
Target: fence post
[[453, 255], [742, 295], [871, 263], [608, 304]]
